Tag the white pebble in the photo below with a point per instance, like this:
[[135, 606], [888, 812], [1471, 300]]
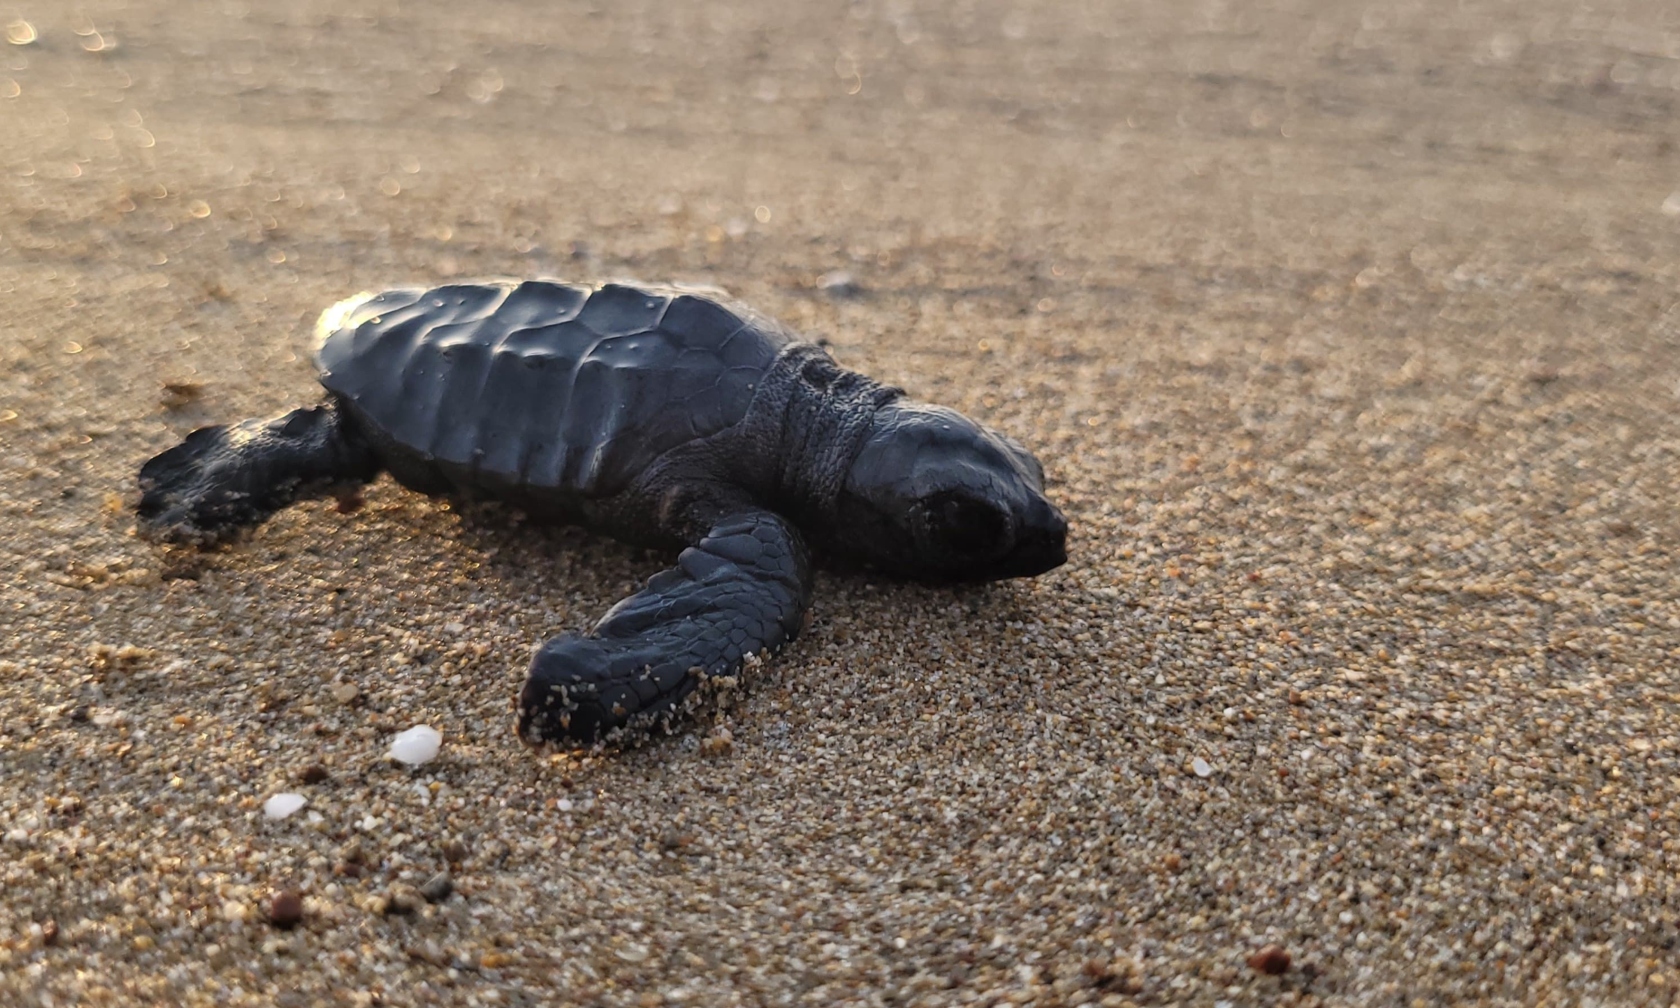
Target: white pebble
[[418, 745], [1201, 767], [838, 282], [282, 805]]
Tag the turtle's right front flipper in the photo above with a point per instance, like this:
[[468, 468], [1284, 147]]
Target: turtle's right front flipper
[[225, 478], [742, 590]]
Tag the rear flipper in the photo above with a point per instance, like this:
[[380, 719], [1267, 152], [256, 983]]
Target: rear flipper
[[744, 589], [226, 478]]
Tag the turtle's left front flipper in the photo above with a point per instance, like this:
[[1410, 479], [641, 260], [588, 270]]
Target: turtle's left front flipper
[[232, 476], [742, 590]]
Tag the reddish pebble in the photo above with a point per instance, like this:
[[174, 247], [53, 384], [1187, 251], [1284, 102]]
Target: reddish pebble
[[1271, 960], [49, 932], [285, 909]]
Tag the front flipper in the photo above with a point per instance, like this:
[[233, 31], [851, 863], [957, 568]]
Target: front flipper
[[744, 589], [226, 478]]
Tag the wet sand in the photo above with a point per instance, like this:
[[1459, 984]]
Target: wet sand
[[1348, 337]]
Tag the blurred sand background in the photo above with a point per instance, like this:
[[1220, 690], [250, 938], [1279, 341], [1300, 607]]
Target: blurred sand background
[[1347, 331]]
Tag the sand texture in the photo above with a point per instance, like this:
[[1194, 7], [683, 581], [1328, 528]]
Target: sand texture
[[1348, 334]]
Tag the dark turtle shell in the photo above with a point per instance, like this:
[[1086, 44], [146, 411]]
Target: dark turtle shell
[[544, 384]]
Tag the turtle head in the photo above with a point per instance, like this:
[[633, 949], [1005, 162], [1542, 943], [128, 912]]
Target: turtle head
[[935, 496]]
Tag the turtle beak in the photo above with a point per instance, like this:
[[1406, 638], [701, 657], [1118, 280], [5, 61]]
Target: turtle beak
[[1040, 542]]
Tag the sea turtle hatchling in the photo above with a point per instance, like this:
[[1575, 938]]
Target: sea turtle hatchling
[[660, 416]]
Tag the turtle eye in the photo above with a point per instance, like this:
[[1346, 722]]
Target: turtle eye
[[967, 526]]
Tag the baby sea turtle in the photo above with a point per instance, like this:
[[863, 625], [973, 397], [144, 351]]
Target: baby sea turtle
[[660, 416]]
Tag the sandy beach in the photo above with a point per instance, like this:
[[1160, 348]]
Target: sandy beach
[[1347, 333]]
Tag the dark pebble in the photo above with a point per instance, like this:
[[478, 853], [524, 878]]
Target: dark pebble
[[1271, 960], [403, 900], [438, 887], [285, 910]]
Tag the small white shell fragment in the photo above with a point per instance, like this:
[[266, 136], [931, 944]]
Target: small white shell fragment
[[838, 282], [418, 745], [282, 805], [1201, 767]]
